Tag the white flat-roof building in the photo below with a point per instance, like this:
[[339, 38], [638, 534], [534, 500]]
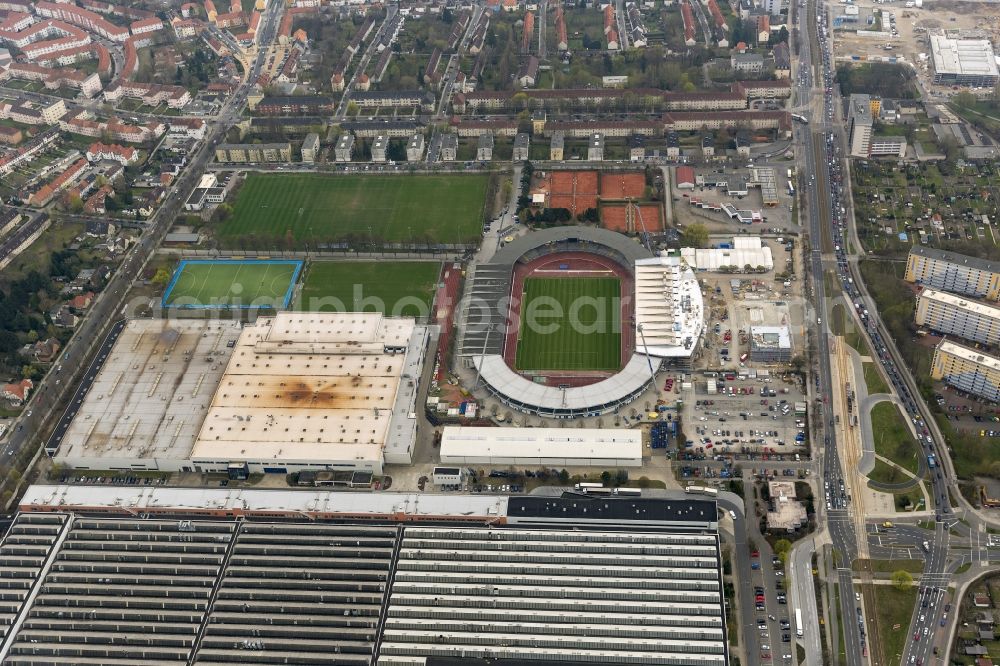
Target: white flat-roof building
[[669, 312], [558, 447], [745, 251], [963, 62], [150, 396], [296, 391], [958, 315], [770, 344], [316, 390]]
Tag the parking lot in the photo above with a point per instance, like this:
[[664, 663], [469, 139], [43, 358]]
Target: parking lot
[[746, 418]]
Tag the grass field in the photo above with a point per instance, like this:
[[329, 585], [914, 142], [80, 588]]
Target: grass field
[[232, 284], [559, 331], [404, 289], [893, 439], [313, 208]]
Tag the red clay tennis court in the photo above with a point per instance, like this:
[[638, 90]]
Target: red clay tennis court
[[623, 185], [624, 218]]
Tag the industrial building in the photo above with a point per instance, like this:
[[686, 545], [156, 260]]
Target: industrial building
[[669, 312], [547, 447], [333, 391], [742, 252], [967, 369], [963, 62], [954, 272], [204, 576], [955, 315], [770, 344]]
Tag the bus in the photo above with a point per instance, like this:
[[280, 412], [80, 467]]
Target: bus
[[798, 622], [587, 486], [702, 490]]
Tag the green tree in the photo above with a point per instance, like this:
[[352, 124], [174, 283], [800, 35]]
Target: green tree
[[161, 278], [695, 235], [563, 476], [606, 477], [902, 580], [782, 547]]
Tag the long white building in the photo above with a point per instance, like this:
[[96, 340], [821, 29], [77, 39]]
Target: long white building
[[551, 447]]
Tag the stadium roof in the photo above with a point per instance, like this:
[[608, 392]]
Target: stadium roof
[[522, 393], [629, 248], [669, 312]]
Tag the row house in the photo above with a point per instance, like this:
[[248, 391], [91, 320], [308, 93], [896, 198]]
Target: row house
[[53, 79], [82, 18]]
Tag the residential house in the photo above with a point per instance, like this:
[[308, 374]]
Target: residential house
[[484, 148], [344, 148], [449, 148], [310, 148], [17, 393], [522, 147], [415, 148]]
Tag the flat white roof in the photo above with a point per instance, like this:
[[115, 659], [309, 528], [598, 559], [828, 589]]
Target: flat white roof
[[668, 307], [961, 302], [971, 57], [770, 337], [973, 355], [460, 442], [152, 392], [70, 497], [745, 250], [307, 387]]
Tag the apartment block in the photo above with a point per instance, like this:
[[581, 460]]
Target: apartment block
[[345, 147], [954, 315], [967, 370], [415, 148], [522, 147], [250, 153], [950, 271]]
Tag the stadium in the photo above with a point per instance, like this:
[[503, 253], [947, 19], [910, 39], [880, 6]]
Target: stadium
[[550, 323]]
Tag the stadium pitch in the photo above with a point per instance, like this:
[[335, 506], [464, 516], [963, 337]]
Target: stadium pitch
[[570, 324], [318, 208], [232, 284]]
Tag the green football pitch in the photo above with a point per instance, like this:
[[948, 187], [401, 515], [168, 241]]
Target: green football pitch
[[570, 324], [319, 208], [232, 284], [402, 289]]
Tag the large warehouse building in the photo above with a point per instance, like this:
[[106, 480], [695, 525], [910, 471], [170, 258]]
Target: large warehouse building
[[963, 62], [549, 447], [296, 391], [384, 579]]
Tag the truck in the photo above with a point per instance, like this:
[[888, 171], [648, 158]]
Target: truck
[[798, 622], [587, 486]]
